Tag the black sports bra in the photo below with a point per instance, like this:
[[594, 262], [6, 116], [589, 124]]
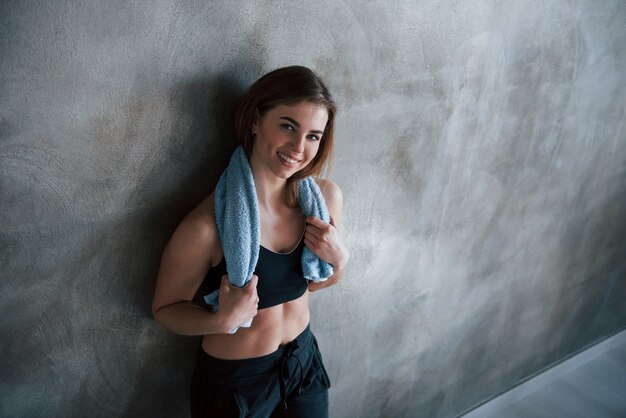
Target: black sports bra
[[280, 277]]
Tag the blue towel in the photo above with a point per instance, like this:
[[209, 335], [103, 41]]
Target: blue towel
[[312, 203], [238, 224]]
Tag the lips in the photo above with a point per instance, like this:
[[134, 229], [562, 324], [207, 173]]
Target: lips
[[288, 159]]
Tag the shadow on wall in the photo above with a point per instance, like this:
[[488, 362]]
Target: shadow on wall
[[167, 150], [200, 146]]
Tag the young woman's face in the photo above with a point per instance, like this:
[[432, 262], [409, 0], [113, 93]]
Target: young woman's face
[[287, 137]]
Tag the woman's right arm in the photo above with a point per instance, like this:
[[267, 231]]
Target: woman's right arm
[[185, 261]]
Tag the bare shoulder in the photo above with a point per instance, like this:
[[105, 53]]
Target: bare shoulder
[[330, 191], [196, 235], [333, 197]]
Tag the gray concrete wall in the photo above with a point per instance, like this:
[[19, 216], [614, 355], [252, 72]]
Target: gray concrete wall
[[481, 151]]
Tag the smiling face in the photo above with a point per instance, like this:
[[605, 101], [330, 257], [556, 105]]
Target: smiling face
[[287, 138]]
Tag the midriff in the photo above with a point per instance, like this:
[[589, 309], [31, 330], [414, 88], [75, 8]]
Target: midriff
[[271, 327]]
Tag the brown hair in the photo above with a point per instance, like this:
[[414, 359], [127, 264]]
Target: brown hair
[[287, 86]]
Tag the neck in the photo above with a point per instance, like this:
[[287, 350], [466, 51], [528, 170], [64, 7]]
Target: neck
[[270, 190]]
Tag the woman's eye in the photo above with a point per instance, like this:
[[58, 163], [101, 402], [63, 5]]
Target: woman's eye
[[287, 126], [314, 137]]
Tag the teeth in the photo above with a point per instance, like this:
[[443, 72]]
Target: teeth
[[284, 157]]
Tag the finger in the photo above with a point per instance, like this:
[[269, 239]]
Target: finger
[[316, 222], [319, 235], [253, 281], [312, 245], [313, 231], [225, 281], [313, 237], [332, 220]]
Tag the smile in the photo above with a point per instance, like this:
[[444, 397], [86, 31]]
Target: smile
[[287, 159]]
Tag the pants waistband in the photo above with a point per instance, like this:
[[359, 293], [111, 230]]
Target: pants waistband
[[255, 366]]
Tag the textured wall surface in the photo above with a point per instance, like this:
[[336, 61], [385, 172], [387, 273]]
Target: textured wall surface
[[481, 151]]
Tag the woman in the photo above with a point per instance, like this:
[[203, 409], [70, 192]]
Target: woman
[[285, 124]]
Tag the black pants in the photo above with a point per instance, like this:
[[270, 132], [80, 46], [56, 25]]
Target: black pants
[[290, 382]]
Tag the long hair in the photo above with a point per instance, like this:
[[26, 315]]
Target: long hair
[[287, 86]]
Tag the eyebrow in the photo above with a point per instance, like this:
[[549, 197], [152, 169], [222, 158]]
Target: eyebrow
[[298, 125]]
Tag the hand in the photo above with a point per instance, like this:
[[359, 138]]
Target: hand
[[237, 305], [325, 241]]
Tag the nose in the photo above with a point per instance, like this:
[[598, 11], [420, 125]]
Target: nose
[[298, 143]]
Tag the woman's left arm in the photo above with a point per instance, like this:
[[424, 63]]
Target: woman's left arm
[[324, 239]]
